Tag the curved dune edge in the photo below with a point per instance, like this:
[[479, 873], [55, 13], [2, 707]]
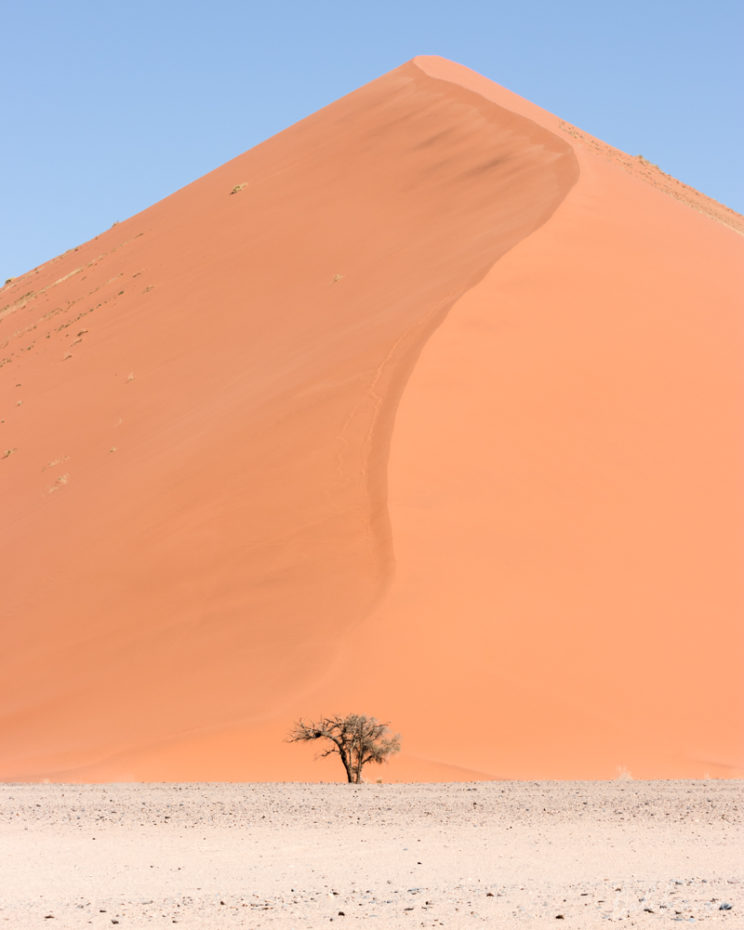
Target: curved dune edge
[[563, 484], [568, 549], [172, 487], [637, 166], [566, 502]]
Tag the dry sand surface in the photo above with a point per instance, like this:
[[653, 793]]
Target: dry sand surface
[[430, 381], [499, 854]]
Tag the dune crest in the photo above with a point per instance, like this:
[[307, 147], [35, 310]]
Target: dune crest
[[224, 501], [392, 413]]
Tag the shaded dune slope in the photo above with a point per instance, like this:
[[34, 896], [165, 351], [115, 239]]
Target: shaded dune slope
[[436, 416], [567, 498], [197, 413]]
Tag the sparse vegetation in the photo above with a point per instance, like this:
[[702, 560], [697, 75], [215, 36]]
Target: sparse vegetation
[[59, 483], [238, 188], [356, 738]]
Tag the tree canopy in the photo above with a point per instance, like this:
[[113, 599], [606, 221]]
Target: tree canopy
[[356, 738]]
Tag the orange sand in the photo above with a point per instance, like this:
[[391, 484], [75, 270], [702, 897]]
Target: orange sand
[[436, 417]]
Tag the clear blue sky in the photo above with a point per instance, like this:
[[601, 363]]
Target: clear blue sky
[[108, 107]]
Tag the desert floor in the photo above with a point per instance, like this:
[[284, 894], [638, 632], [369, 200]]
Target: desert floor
[[499, 854]]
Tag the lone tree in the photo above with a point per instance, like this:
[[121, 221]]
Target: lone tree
[[356, 738]]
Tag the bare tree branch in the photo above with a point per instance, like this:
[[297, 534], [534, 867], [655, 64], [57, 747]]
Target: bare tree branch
[[356, 738]]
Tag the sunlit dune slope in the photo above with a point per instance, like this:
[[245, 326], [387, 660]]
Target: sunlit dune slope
[[429, 407]]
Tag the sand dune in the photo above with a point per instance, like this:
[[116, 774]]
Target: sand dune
[[428, 406]]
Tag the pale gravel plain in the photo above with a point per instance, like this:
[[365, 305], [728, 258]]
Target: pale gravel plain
[[493, 854]]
